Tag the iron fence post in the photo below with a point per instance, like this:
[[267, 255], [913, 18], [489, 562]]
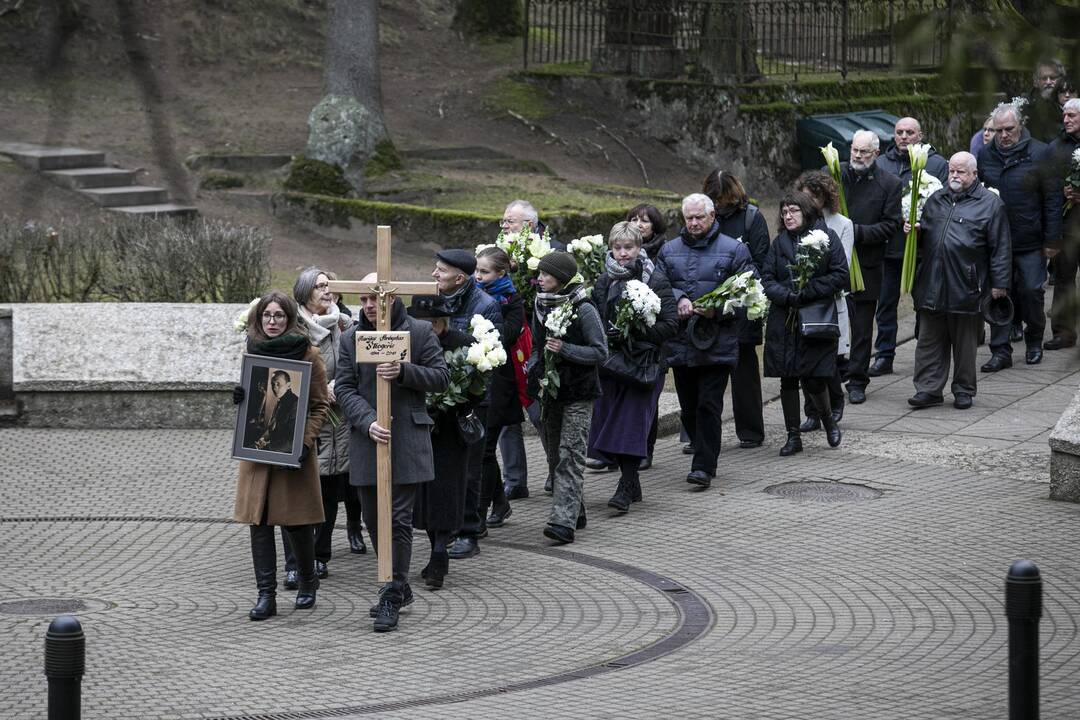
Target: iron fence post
[[629, 37], [65, 662], [843, 37], [525, 39], [1023, 608]]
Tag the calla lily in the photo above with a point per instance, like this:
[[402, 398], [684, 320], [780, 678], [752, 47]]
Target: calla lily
[[832, 158], [918, 153]]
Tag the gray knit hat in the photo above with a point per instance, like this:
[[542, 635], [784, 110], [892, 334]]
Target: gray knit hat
[[560, 265]]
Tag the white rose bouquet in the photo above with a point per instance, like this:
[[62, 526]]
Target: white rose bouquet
[[589, 251], [240, 324], [470, 367], [556, 324], [738, 291], [637, 308], [808, 256], [525, 249]]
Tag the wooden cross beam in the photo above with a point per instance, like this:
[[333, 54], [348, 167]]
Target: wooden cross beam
[[385, 288]]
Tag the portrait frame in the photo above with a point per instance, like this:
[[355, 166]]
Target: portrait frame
[[270, 423]]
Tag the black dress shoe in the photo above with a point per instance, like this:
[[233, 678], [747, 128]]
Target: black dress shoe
[[792, 446], [997, 362], [321, 571], [1059, 342], [857, 396], [305, 596], [880, 366], [961, 401], [266, 607], [292, 579], [386, 615], [832, 432], [924, 400], [407, 598], [464, 547], [688, 449], [646, 463], [600, 465], [749, 443], [356, 539], [700, 478], [561, 535], [810, 425], [516, 493], [498, 516], [1033, 356]]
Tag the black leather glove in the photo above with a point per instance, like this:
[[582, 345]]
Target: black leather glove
[[237, 394], [304, 454], [612, 332]]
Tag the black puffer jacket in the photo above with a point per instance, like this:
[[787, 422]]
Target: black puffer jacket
[[505, 407], [1023, 174], [873, 200], [747, 225], [964, 250], [1061, 151]]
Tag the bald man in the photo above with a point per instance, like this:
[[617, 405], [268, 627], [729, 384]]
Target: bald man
[[966, 256], [896, 161]]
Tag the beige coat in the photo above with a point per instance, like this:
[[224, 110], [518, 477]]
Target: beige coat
[[291, 497]]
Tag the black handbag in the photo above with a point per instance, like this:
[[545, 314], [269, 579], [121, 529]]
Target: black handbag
[[637, 365], [819, 320], [470, 428]]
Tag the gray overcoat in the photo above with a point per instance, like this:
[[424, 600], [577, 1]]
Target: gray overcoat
[[410, 429]]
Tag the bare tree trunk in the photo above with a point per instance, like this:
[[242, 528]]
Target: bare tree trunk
[[347, 127], [728, 44]]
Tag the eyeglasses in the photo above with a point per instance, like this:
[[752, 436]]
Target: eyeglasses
[[274, 317], [322, 286], [507, 222], [790, 213], [862, 151]]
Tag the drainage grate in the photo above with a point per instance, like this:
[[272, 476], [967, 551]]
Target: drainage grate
[[824, 492], [50, 606]]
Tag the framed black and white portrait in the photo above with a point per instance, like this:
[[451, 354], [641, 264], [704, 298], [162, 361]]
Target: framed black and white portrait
[[270, 421]]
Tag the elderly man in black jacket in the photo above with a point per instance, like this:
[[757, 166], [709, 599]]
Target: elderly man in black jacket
[[1019, 168], [896, 160], [873, 200], [964, 243], [1063, 312]]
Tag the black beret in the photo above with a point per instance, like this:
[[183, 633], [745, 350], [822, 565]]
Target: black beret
[[463, 260]]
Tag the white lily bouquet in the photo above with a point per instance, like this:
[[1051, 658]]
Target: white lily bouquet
[[556, 324], [241, 322], [470, 367], [917, 154], [739, 291], [1072, 179], [589, 251], [832, 161], [637, 308], [525, 249]]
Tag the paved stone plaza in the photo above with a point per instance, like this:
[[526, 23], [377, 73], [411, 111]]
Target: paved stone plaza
[[729, 603]]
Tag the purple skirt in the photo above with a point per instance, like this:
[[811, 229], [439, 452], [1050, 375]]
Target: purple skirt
[[622, 418]]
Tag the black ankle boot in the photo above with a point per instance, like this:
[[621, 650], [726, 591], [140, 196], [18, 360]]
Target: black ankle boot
[[356, 538], [303, 542], [793, 444], [635, 490], [622, 498], [264, 558], [437, 570], [832, 427]]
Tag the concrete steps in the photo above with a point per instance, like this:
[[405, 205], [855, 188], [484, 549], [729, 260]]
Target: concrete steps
[[85, 171]]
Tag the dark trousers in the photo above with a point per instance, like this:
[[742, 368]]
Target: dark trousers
[[746, 395], [836, 393], [402, 501], [335, 489], [473, 522], [291, 535], [1028, 277], [941, 336], [1063, 308], [862, 333], [888, 301], [492, 490], [701, 403]]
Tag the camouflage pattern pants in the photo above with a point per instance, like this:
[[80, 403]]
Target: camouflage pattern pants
[[565, 429]]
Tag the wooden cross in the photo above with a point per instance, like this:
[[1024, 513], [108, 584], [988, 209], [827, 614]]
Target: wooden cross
[[384, 288]]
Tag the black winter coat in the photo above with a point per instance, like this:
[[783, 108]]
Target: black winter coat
[[750, 228], [505, 407], [584, 350], [787, 352], [695, 267], [607, 291], [873, 200], [1024, 177], [1061, 151], [964, 250]]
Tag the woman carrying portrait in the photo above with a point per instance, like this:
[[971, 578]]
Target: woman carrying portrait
[[269, 495]]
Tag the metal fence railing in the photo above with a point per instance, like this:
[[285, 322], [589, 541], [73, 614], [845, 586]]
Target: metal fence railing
[[736, 39]]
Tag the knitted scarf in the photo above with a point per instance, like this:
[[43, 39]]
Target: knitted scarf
[[574, 292], [456, 299], [500, 288], [319, 326], [290, 347], [642, 267]]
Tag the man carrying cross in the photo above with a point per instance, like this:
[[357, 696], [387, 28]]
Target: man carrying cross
[[410, 429]]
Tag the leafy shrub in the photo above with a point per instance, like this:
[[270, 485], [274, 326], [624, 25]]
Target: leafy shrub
[[317, 178], [132, 260]]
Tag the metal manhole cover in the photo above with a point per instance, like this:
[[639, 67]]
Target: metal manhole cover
[[50, 606], [823, 492]]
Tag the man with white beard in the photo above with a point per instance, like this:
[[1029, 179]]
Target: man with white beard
[[966, 260]]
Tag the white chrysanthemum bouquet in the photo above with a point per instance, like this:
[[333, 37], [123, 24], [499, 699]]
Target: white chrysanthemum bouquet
[[637, 308], [556, 324], [470, 367], [589, 251], [738, 291]]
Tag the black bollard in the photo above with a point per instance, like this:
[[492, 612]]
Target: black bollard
[[1023, 608], [65, 662]]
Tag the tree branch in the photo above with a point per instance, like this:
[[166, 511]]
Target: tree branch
[[12, 8], [603, 128], [537, 128]]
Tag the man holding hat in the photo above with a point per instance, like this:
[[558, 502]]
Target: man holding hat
[[966, 260], [462, 298]]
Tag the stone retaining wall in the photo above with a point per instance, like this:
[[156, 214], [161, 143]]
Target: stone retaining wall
[[1065, 454]]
